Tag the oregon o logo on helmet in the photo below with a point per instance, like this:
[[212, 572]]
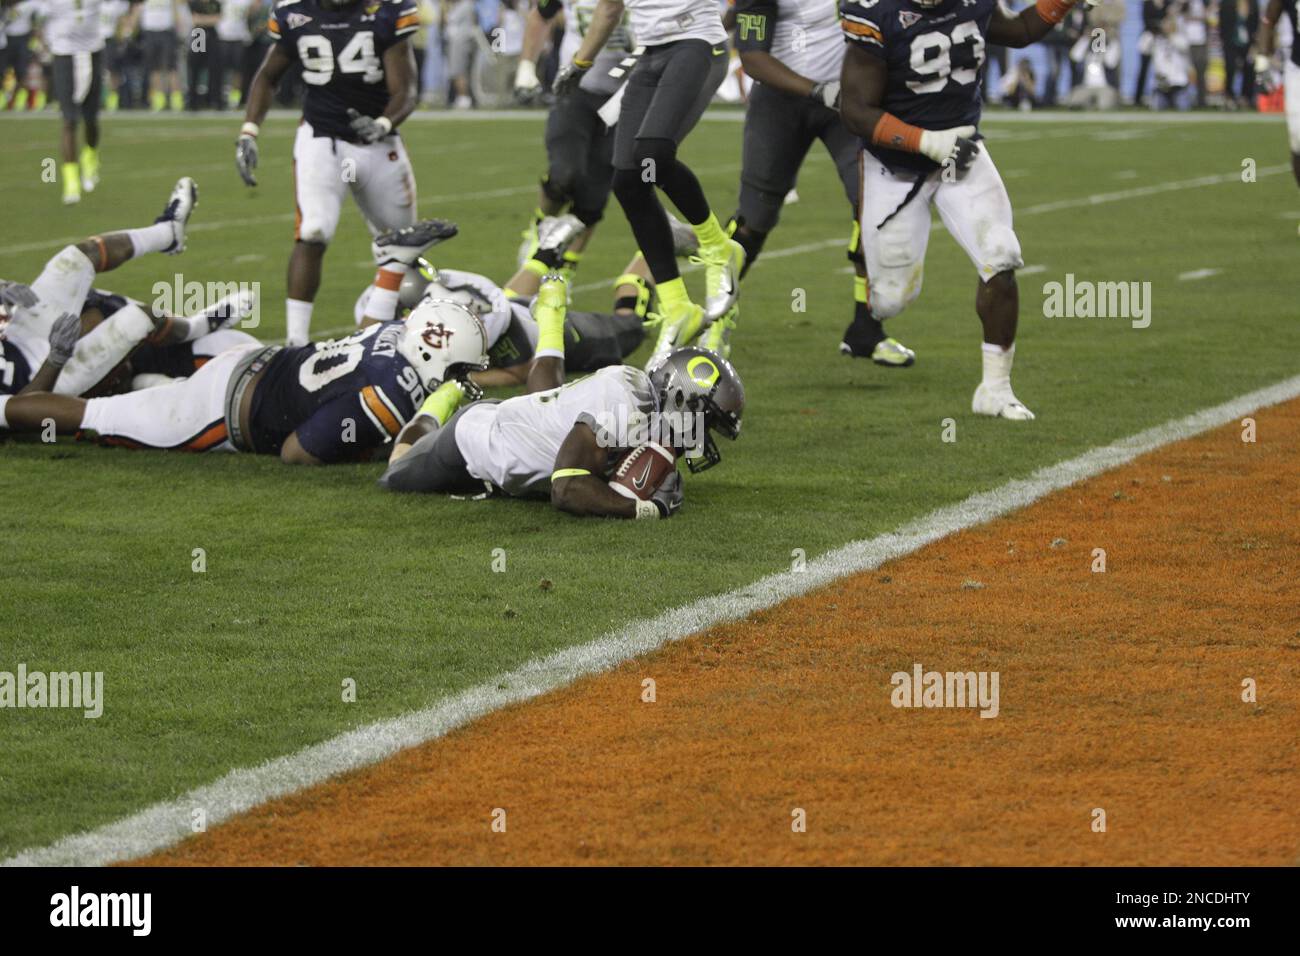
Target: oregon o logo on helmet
[[708, 378]]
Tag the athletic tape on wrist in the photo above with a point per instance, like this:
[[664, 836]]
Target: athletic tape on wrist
[[646, 509], [250, 129]]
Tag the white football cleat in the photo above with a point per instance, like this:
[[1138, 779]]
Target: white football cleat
[[999, 402], [225, 312], [407, 244], [722, 280], [180, 205], [556, 233]]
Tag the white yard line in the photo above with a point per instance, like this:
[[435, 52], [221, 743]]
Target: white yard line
[[1195, 274], [166, 823]]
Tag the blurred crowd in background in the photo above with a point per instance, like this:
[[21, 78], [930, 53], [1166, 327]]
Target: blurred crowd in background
[[201, 54]]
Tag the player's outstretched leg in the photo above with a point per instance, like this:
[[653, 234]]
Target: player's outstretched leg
[[998, 305], [397, 252]]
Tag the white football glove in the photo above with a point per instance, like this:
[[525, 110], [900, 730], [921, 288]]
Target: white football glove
[[950, 146], [246, 158], [1262, 64], [527, 85], [827, 94]]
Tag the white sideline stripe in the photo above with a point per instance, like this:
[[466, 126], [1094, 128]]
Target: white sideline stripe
[[166, 823], [1195, 274]]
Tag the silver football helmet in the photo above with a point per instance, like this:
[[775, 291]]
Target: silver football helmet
[[700, 382]]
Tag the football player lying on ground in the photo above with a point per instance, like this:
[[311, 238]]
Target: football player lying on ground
[[313, 404], [792, 50], [565, 441], [593, 340], [28, 313], [910, 87]]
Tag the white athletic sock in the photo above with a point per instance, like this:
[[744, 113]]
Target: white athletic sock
[[997, 364], [297, 317], [385, 293], [153, 238], [99, 352]]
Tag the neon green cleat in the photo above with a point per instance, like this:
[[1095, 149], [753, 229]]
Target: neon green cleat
[[717, 337], [89, 169], [721, 277]]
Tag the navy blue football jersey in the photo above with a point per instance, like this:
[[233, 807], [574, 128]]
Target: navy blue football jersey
[[344, 398], [15, 373], [342, 56], [933, 56]]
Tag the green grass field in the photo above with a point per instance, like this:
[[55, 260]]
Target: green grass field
[[314, 576]]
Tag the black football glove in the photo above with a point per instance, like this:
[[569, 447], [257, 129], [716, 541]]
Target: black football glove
[[369, 129], [246, 158], [668, 496]]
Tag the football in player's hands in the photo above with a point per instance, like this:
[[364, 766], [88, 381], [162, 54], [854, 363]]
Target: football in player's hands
[[646, 470]]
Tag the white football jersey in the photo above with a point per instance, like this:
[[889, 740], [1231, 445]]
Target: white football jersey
[[577, 19], [157, 15], [808, 38], [21, 16], [233, 25], [73, 26], [110, 14], [513, 444], [497, 319], [655, 22]]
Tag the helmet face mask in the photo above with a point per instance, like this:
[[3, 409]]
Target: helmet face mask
[[703, 384]]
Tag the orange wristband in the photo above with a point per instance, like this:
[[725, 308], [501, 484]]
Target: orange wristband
[[893, 132], [1053, 11]]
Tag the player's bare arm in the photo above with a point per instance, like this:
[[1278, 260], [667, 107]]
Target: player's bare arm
[[862, 83], [536, 27], [603, 21], [1029, 25], [400, 78], [757, 22], [1266, 38], [578, 485], [268, 77]]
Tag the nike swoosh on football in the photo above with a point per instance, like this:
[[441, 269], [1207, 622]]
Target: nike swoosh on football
[[639, 483]]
